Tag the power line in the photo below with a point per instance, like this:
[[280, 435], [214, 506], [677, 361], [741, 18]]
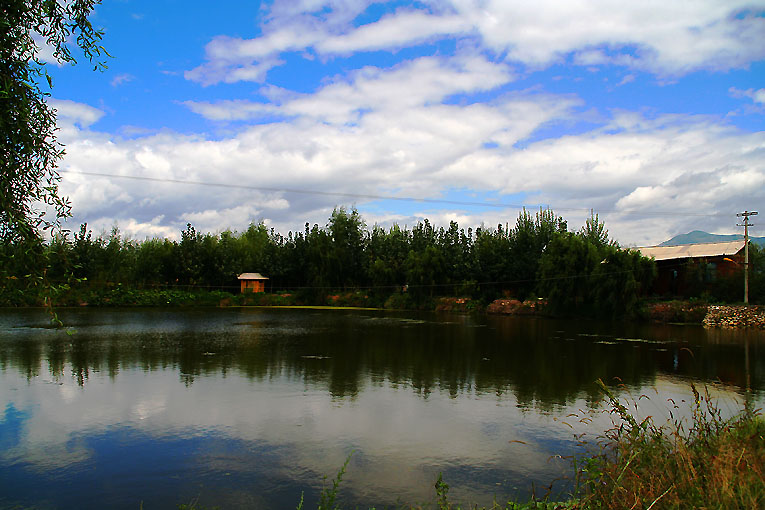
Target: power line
[[192, 286], [306, 191], [497, 205]]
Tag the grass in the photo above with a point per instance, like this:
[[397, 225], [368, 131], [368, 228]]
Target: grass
[[313, 307], [704, 461]]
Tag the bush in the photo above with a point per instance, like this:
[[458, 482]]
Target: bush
[[399, 301], [684, 312]]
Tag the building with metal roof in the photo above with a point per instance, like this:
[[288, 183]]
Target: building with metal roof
[[680, 266], [690, 251]]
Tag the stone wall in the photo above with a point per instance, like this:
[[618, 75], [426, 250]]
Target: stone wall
[[735, 317]]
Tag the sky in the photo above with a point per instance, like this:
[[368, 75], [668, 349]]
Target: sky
[[651, 114]]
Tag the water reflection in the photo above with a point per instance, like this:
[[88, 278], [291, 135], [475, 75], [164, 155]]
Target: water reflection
[[542, 362], [249, 407]]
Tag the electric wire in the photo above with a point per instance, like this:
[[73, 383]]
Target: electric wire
[[190, 286], [366, 196]]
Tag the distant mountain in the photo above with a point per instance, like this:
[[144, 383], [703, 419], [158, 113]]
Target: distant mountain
[[698, 236]]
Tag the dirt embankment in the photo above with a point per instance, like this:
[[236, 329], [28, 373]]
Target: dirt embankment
[[515, 307]]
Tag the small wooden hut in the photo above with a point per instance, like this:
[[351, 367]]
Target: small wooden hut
[[252, 282]]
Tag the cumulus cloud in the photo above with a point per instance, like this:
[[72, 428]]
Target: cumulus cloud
[[426, 126], [421, 82], [394, 31], [230, 110], [71, 112], [364, 135], [666, 38]]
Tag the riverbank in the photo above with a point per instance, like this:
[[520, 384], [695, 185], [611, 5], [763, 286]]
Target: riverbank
[[670, 312]]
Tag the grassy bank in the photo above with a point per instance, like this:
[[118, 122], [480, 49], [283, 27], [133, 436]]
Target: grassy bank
[[124, 295], [677, 311], [704, 461]]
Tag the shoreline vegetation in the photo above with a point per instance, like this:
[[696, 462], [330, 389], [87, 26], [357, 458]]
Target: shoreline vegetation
[[696, 459], [505, 269], [694, 312]]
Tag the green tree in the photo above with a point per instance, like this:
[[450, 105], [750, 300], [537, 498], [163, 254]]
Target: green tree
[[29, 151], [344, 259], [386, 255], [595, 231], [621, 278], [564, 273], [581, 276], [493, 261], [424, 270], [528, 240]]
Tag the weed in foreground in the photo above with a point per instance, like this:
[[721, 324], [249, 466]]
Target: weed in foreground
[[328, 497], [706, 462]]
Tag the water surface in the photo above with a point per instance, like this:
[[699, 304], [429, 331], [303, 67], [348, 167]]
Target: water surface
[[247, 408]]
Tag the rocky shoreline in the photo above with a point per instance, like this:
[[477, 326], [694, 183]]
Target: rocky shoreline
[[735, 316], [678, 312]]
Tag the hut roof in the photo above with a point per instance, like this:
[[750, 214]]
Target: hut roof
[[251, 276], [688, 251]]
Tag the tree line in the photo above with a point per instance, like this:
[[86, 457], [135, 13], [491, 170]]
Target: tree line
[[582, 271]]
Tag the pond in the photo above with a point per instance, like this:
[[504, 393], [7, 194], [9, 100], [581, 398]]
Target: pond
[[248, 408]]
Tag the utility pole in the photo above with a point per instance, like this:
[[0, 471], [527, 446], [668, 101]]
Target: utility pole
[[746, 226]]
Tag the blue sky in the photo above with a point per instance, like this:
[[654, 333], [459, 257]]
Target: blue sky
[[651, 114]]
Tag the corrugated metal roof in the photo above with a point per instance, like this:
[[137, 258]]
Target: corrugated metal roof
[[686, 251], [251, 276]]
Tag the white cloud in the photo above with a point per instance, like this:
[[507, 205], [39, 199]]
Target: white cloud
[[121, 78], [220, 70], [757, 96], [131, 228], [45, 51], [627, 79], [401, 29], [427, 80], [230, 110], [666, 38], [365, 136], [218, 220], [417, 83], [71, 112]]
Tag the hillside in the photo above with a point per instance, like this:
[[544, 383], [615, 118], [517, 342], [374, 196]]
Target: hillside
[[698, 236]]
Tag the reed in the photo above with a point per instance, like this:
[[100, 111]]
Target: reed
[[704, 461]]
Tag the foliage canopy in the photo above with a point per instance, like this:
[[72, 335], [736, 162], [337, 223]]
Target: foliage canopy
[[398, 266], [32, 34]]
